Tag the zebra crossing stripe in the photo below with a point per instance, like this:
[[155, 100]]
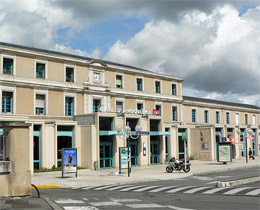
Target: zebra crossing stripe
[[142, 206], [179, 189], [102, 188], [131, 188], [109, 203], [177, 208], [196, 189], [87, 188], [80, 208], [67, 200], [145, 188], [236, 190], [161, 189], [119, 187], [125, 200], [254, 192], [213, 190]]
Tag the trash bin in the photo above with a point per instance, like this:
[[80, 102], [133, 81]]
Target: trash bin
[[96, 165]]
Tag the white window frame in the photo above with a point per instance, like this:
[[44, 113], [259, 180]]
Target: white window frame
[[204, 116], [8, 89], [123, 83], [9, 57], [140, 102], [160, 104], [74, 96], [177, 112], [254, 120], [142, 78], [120, 100], [196, 114], [156, 80], [46, 67], [41, 92], [74, 71], [176, 84]]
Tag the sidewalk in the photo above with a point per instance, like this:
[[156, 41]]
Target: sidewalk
[[88, 177]]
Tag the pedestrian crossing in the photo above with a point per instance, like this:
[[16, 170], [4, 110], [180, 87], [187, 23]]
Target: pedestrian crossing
[[210, 190]]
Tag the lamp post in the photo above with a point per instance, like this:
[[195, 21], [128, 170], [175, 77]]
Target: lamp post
[[127, 134], [247, 133]]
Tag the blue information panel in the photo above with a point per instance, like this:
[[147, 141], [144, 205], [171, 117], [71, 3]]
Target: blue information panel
[[69, 161]]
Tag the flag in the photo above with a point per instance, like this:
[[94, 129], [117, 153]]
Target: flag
[[201, 136]]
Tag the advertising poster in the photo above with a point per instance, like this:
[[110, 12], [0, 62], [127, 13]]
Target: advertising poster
[[224, 153], [123, 158], [69, 161]]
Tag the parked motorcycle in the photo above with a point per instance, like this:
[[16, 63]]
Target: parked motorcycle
[[178, 165]]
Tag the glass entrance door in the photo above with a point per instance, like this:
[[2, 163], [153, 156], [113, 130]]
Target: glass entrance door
[[218, 139], [155, 150], [134, 152], [106, 155], [37, 146]]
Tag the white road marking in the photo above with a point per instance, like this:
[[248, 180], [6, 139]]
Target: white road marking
[[236, 190], [222, 176], [213, 190], [145, 188], [253, 192], [102, 188], [85, 199], [214, 182], [142, 206], [177, 208], [109, 203], [196, 189], [125, 200], [80, 208], [161, 189], [67, 200], [131, 188], [87, 188], [202, 178], [118, 187], [179, 189]]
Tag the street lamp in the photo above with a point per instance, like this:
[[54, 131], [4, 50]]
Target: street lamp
[[247, 133], [127, 134]]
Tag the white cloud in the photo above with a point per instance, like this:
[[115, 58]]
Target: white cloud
[[216, 53]]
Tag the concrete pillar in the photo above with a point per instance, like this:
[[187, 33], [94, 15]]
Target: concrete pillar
[[17, 181]]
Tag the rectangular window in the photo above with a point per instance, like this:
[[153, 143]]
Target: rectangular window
[[69, 106], [174, 113], [253, 120], [237, 118], [174, 90], [119, 106], [40, 104], [40, 70], [246, 119], [139, 84], [69, 74], [158, 107], [228, 117], [96, 105], [7, 102], [8, 65], [119, 81], [139, 106], [193, 115], [206, 116], [217, 117], [157, 87]]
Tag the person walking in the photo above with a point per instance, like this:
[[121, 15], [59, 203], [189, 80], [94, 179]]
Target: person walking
[[250, 153]]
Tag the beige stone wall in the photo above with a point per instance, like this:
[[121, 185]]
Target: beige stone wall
[[167, 116], [56, 103], [166, 87], [25, 66], [129, 81], [187, 114], [80, 104], [82, 73], [149, 105], [149, 84], [130, 103], [112, 103], [25, 101], [110, 78], [56, 71]]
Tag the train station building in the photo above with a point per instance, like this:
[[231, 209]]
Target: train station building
[[74, 101]]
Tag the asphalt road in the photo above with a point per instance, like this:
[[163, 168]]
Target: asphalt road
[[196, 192]]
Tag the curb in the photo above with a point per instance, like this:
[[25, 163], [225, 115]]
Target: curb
[[52, 204], [238, 182], [45, 186]]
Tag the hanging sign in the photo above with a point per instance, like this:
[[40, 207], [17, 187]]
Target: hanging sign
[[69, 161], [156, 112]]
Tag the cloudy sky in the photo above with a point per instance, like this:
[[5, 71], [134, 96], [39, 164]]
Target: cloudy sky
[[214, 45]]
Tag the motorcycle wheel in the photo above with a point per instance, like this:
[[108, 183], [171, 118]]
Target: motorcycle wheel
[[187, 169], [169, 169]]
